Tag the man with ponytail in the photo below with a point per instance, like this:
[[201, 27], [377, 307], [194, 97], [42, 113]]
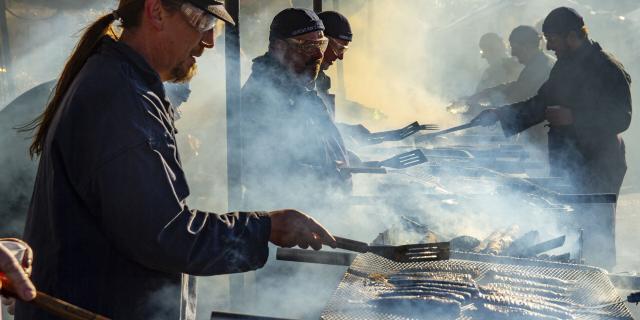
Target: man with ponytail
[[108, 221]]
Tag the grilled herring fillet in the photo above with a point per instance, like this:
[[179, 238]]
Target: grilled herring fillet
[[532, 291], [473, 291], [532, 277], [415, 292], [514, 302], [528, 283]]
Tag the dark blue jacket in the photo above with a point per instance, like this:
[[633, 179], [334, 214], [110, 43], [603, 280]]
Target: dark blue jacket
[[108, 220], [595, 86]]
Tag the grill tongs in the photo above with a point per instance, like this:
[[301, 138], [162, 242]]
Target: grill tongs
[[404, 253], [399, 134]]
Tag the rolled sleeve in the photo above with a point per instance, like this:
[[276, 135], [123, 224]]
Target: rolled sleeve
[[142, 209]]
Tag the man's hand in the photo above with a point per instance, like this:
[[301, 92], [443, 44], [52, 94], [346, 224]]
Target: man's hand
[[290, 228], [486, 118], [558, 116], [16, 274]]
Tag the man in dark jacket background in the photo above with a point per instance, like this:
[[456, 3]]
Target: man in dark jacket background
[[289, 133], [108, 219]]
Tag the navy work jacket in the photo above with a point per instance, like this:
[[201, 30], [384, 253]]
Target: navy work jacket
[[108, 220]]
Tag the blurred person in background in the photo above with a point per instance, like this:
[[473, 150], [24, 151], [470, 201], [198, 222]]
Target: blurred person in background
[[292, 149], [587, 103], [502, 68], [525, 47], [108, 216]]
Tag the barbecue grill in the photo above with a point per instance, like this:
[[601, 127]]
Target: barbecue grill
[[592, 294]]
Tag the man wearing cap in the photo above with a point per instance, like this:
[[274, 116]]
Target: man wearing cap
[[525, 47], [502, 68], [586, 102], [290, 140], [108, 219], [338, 31]]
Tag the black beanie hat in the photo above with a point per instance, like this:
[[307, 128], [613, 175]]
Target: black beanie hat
[[336, 25], [562, 20], [292, 22]]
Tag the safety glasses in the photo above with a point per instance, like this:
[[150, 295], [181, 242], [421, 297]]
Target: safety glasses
[[308, 46], [201, 20], [337, 48]]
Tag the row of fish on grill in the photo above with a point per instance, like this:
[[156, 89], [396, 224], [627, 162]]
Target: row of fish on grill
[[456, 292]]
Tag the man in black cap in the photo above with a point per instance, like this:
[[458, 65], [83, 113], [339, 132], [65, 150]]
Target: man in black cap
[[292, 150], [108, 219], [525, 47], [338, 30]]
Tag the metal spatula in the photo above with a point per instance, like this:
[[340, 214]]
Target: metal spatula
[[401, 161], [404, 253], [399, 134], [429, 136]]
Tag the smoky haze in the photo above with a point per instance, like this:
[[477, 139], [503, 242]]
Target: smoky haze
[[408, 61]]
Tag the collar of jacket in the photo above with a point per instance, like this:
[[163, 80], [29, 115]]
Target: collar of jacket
[[267, 66], [323, 82], [584, 50], [118, 49], [151, 78]]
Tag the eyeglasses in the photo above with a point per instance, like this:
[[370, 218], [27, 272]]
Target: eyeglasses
[[337, 48], [308, 46], [201, 20]]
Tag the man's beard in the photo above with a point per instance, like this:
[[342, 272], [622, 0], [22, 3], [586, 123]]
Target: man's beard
[[181, 74], [312, 68]]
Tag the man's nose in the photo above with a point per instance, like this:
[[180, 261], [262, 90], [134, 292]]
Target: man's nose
[[208, 39], [341, 56]]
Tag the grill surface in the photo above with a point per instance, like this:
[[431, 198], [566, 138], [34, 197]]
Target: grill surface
[[592, 285]]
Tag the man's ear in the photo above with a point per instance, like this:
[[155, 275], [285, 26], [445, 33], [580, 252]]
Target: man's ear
[[154, 13]]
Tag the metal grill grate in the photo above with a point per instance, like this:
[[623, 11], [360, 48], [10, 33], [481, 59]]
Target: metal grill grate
[[592, 286]]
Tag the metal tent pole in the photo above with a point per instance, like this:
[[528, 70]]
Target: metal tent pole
[[234, 138], [234, 132]]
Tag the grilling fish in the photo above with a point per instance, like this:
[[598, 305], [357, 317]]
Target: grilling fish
[[472, 291], [532, 291], [532, 277], [528, 283], [425, 292], [514, 302]]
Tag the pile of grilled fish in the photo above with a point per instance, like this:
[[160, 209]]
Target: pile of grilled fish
[[497, 294]]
